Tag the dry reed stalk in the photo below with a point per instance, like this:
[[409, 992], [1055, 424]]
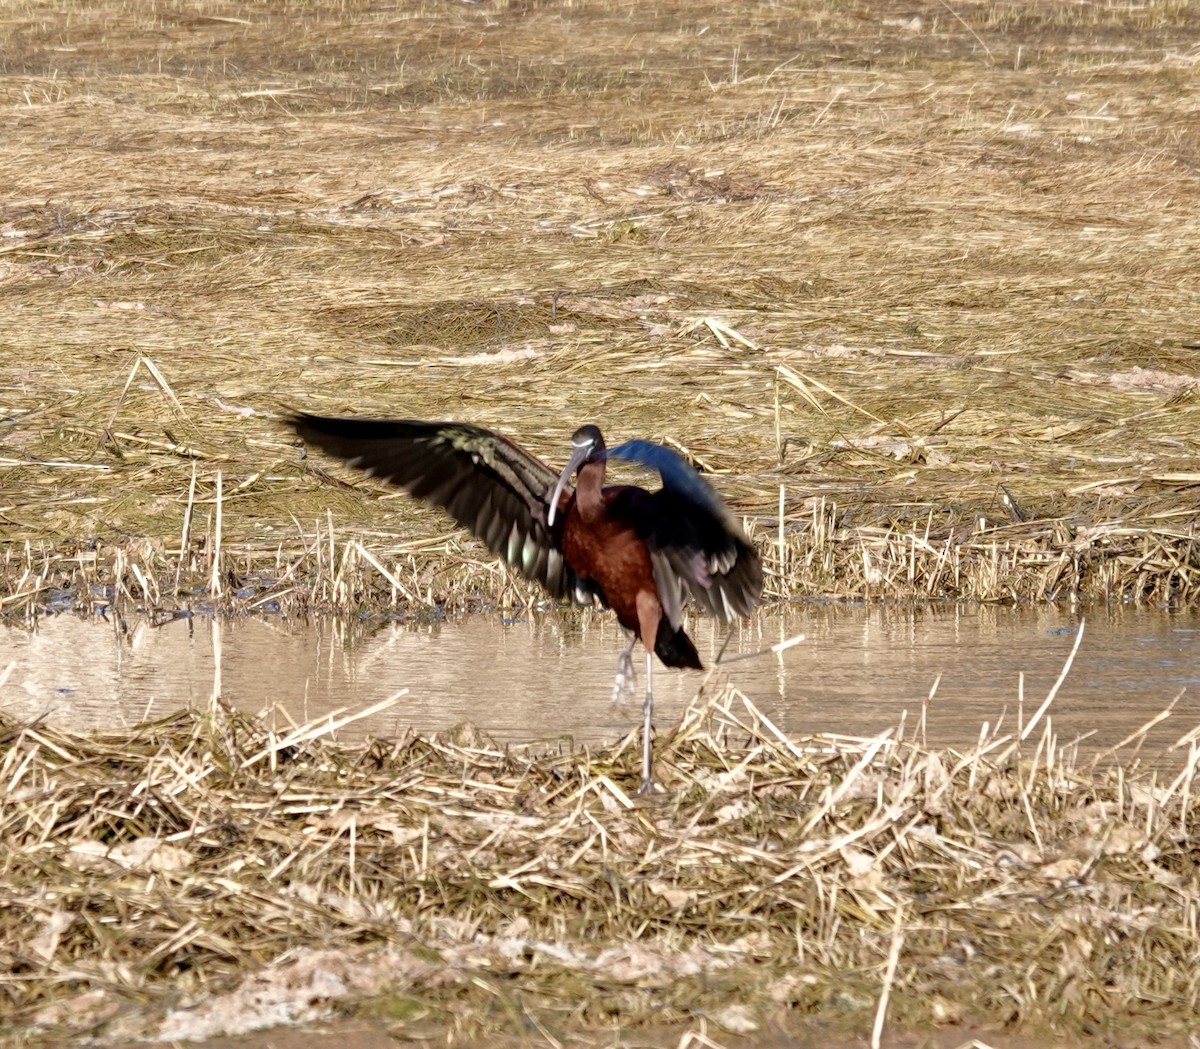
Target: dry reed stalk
[[786, 877]]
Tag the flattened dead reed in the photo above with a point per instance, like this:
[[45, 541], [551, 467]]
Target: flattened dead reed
[[146, 873], [896, 265]]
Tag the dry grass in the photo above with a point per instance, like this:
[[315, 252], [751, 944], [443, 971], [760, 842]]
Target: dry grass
[[959, 254], [485, 890], [920, 290]]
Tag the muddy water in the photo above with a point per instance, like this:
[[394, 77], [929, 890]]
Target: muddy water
[[856, 671]]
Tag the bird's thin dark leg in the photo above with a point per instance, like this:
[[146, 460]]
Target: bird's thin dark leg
[[625, 676], [647, 728]]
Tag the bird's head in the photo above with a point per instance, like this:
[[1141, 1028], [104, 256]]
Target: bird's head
[[587, 445]]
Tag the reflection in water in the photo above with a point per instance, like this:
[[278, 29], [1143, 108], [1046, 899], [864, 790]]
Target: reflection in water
[[856, 672]]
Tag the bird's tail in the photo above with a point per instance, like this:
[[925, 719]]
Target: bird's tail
[[675, 648]]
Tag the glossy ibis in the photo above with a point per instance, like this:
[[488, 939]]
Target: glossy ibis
[[635, 551]]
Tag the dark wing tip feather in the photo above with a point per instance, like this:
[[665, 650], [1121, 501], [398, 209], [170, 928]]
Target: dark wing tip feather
[[335, 433]]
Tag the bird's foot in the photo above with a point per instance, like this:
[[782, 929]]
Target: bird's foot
[[626, 678], [647, 787]]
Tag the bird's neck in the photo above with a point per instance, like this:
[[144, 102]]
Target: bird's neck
[[589, 488]]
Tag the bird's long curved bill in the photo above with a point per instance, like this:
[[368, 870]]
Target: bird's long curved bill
[[578, 458]]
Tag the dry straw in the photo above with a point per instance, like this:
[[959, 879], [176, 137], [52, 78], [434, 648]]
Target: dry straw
[[919, 290], [148, 872]]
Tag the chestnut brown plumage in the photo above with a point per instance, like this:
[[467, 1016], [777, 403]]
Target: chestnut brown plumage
[[637, 552]]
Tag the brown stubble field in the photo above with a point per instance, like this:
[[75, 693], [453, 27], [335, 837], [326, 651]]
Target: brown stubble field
[[958, 255], [873, 266]]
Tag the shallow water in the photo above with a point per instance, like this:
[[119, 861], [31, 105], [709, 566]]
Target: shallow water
[[857, 671]]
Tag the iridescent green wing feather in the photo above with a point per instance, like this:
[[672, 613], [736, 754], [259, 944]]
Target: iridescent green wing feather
[[487, 483]]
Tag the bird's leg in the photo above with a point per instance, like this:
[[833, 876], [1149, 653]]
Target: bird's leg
[[650, 612], [647, 728], [625, 676]]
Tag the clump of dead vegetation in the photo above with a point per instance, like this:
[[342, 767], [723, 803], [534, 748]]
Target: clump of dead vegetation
[[826, 549], [207, 873], [919, 289]]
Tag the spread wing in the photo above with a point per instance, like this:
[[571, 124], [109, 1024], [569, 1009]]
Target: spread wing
[[487, 483], [694, 540]]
